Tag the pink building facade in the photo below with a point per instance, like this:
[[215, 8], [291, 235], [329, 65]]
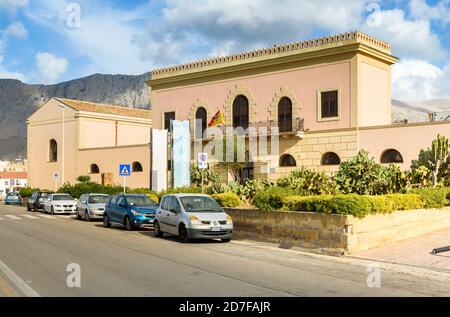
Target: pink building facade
[[329, 97]]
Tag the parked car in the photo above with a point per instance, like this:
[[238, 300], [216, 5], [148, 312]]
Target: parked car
[[13, 198], [60, 204], [131, 211], [36, 200], [91, 206], [192, 216]]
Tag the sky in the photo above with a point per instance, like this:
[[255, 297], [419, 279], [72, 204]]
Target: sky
[[50, 41]]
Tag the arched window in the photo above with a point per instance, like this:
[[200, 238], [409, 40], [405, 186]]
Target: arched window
[[53, 151], [391, 156], [94, 169], [285, 115], [137, 167], [200, 122], [287, 160], [330, 158], [240, 112]]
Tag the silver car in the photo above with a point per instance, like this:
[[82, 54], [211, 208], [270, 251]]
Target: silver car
[[91, 206], [192, 216]]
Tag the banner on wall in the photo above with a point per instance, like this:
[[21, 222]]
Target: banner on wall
[[159, 160], [181, 153]]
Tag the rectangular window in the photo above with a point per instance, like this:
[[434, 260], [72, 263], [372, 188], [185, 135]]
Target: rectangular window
[[168, 116], [329, 104]]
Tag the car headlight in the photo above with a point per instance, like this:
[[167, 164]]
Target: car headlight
[[229, 220], [136, 213], [194, 220]]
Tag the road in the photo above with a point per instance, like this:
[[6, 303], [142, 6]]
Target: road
[[35, 252]]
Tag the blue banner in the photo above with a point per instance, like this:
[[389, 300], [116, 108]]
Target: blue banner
[[181, 153]]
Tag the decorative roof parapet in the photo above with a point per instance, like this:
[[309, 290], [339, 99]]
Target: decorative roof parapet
[[354, 36]]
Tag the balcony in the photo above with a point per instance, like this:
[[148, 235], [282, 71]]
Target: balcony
[[285, 128]]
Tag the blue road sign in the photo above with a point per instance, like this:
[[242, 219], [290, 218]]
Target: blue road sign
[[125, 170]]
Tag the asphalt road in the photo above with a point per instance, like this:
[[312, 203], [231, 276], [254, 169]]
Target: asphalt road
[[35, 252]]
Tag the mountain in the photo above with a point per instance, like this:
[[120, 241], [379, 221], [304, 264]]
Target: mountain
[[418, 111], [18, 101]]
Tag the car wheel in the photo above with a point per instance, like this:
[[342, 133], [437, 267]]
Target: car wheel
[[86, 216], [106, 222], [128, 225], [157, 230], [183, 234], [78, 215], [28, 207], [52, 210], [225, 240]]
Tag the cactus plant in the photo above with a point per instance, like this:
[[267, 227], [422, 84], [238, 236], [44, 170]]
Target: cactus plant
[[439, 155]]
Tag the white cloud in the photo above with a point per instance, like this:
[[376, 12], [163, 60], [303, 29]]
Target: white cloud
[[408, 38], [415, 80], [420, 9], [9, 75], [50, 67], [11, 6], [15, 29]]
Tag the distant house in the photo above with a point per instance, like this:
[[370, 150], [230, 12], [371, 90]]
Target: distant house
[[91, 139], [11, 182]]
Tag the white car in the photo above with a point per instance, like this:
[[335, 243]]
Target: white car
[[60, 204], [192, 216]]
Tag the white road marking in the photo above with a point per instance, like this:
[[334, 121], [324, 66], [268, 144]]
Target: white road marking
[[21, 284], [13, 217], [30, 217], [47, 216]]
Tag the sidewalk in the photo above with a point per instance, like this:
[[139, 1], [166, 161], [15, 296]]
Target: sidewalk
[[414, 251]]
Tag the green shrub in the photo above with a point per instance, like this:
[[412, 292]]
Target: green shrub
[[433, 197], [179, 190], [27, 191], [405, 201], [352, 204], [227, 199], [271, 198], [89, 187], [308, 182]]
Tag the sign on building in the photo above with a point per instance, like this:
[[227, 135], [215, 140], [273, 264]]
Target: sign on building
[[56, 176], [125, 170], [202, 160]]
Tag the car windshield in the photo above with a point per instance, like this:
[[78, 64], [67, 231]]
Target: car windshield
[[140, 201], [44, 195], [62, 197], [13, 195], [98, 199], [200, 204]]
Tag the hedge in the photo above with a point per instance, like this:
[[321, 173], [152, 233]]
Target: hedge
[[227, 199], [352, 204], [433, 197], [272, 198]]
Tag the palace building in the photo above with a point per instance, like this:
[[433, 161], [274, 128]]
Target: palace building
[[329, 97]]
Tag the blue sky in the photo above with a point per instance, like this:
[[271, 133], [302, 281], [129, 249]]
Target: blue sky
[[49, 41]]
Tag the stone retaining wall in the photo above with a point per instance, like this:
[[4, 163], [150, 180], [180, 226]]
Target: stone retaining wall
[[337, 233]]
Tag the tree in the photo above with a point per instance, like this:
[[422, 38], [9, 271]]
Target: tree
[[83, 179], [439, 156]]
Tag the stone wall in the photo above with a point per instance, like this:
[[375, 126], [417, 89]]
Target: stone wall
[[336, 233]]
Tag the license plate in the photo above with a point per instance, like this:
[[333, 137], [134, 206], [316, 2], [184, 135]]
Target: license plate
[[216, 229]]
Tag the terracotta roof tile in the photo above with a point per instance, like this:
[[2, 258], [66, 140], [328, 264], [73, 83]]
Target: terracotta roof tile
[[13, 175], [104, 108]]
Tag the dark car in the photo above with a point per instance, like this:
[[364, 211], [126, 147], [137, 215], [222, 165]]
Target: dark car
[[13, 199], [131, 211], [36, 201]]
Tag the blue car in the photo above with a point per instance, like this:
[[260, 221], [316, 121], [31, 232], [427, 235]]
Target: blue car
[[131, 211], [13, 199]]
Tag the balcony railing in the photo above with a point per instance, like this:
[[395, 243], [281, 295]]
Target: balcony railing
[[288, 127]]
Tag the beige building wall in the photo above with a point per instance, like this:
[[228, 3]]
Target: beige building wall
[[108, 160], [104, 139]]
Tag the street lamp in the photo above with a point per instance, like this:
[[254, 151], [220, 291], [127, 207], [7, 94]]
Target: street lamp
[[63, 139]]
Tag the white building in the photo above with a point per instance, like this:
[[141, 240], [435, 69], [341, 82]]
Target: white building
[[11, 182]]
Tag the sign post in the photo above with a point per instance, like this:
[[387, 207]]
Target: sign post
[[202, 165], [125, 171], [56, 177]]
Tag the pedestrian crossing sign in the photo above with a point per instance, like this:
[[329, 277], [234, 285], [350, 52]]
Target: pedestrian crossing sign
[[125, 170]]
